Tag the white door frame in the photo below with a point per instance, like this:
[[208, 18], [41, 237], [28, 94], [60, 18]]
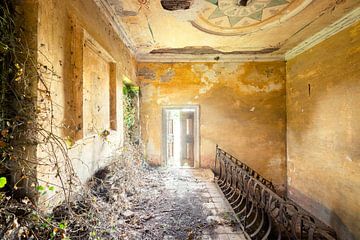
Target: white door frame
[[196, 108]]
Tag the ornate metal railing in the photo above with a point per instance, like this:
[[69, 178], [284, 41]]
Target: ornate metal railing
[[261, 212]]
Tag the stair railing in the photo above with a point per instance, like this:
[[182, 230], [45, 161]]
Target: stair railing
[[261, 212]]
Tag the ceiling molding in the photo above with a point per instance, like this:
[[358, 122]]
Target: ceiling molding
[[172, 58], [324, 34], [110, 15]]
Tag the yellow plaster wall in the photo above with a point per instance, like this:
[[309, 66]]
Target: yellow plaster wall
[[96, 115], [242, 108], [323, 134], [58, 28]]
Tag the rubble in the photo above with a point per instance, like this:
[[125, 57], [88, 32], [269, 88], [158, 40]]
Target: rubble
[[126, 200]]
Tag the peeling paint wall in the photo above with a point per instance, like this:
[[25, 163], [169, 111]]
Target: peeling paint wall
[[323, 113], [242, 108], [62, 47]]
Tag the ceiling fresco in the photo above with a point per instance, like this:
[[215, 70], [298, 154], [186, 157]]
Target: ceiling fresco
[[199, 27], [228, 17]]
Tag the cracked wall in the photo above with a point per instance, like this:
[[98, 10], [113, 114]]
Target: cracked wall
[[242, 108], [323, 95]]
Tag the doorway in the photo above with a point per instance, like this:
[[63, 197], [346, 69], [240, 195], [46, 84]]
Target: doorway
[[181, 136]]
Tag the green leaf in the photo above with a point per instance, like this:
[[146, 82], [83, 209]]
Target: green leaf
[[62, 226], [51, 188], [135, 89], [40, 188], [3, 182], [125, 90]]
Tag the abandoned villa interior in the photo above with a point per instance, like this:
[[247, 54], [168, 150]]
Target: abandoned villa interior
[[180, 119]]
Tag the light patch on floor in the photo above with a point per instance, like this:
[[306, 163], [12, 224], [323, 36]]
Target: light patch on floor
[[200, 182]]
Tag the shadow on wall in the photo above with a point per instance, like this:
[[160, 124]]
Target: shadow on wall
[[341, 229], [323, 131], [323, 149]]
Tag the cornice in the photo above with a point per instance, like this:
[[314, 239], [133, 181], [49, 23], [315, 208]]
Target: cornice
[[170, 58], [116, 24], [324, 34]]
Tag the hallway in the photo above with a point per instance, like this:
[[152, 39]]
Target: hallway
[[186, 204], [114, 115], [159, 203]]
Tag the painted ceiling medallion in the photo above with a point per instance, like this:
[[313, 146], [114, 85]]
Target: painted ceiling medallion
[[235, 17]]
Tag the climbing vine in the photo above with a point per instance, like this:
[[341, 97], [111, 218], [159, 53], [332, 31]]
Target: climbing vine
[[131, 94], [17, 99], [26, 114], [30, 141]]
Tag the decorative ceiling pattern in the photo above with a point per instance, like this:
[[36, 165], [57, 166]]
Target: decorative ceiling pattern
[[221, 27], [229, 17], [237, 15]]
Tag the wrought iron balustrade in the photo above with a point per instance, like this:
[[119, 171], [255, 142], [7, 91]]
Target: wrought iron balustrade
[[262, 213]]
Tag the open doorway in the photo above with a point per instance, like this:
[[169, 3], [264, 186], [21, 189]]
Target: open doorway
[[181, 136]]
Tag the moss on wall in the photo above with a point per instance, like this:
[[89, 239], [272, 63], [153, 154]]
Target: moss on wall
[[242, 108], [323, 95]]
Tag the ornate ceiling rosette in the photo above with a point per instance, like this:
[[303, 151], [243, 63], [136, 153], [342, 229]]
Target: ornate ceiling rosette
[[237, 17]]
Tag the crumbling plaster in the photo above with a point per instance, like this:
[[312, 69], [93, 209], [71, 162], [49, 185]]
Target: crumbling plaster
[[150, 27], [242, 108]]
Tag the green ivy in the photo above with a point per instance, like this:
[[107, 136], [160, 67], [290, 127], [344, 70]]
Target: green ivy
[[130, 93]]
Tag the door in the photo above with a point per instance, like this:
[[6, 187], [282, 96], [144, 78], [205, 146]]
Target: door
[[170, 138], [180, 136], [187, 138]]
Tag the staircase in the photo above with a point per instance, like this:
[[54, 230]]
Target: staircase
[[261, 212]]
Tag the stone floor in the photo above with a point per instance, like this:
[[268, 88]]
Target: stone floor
[[200, 182]]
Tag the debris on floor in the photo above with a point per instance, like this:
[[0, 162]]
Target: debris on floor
[[127, 200]]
